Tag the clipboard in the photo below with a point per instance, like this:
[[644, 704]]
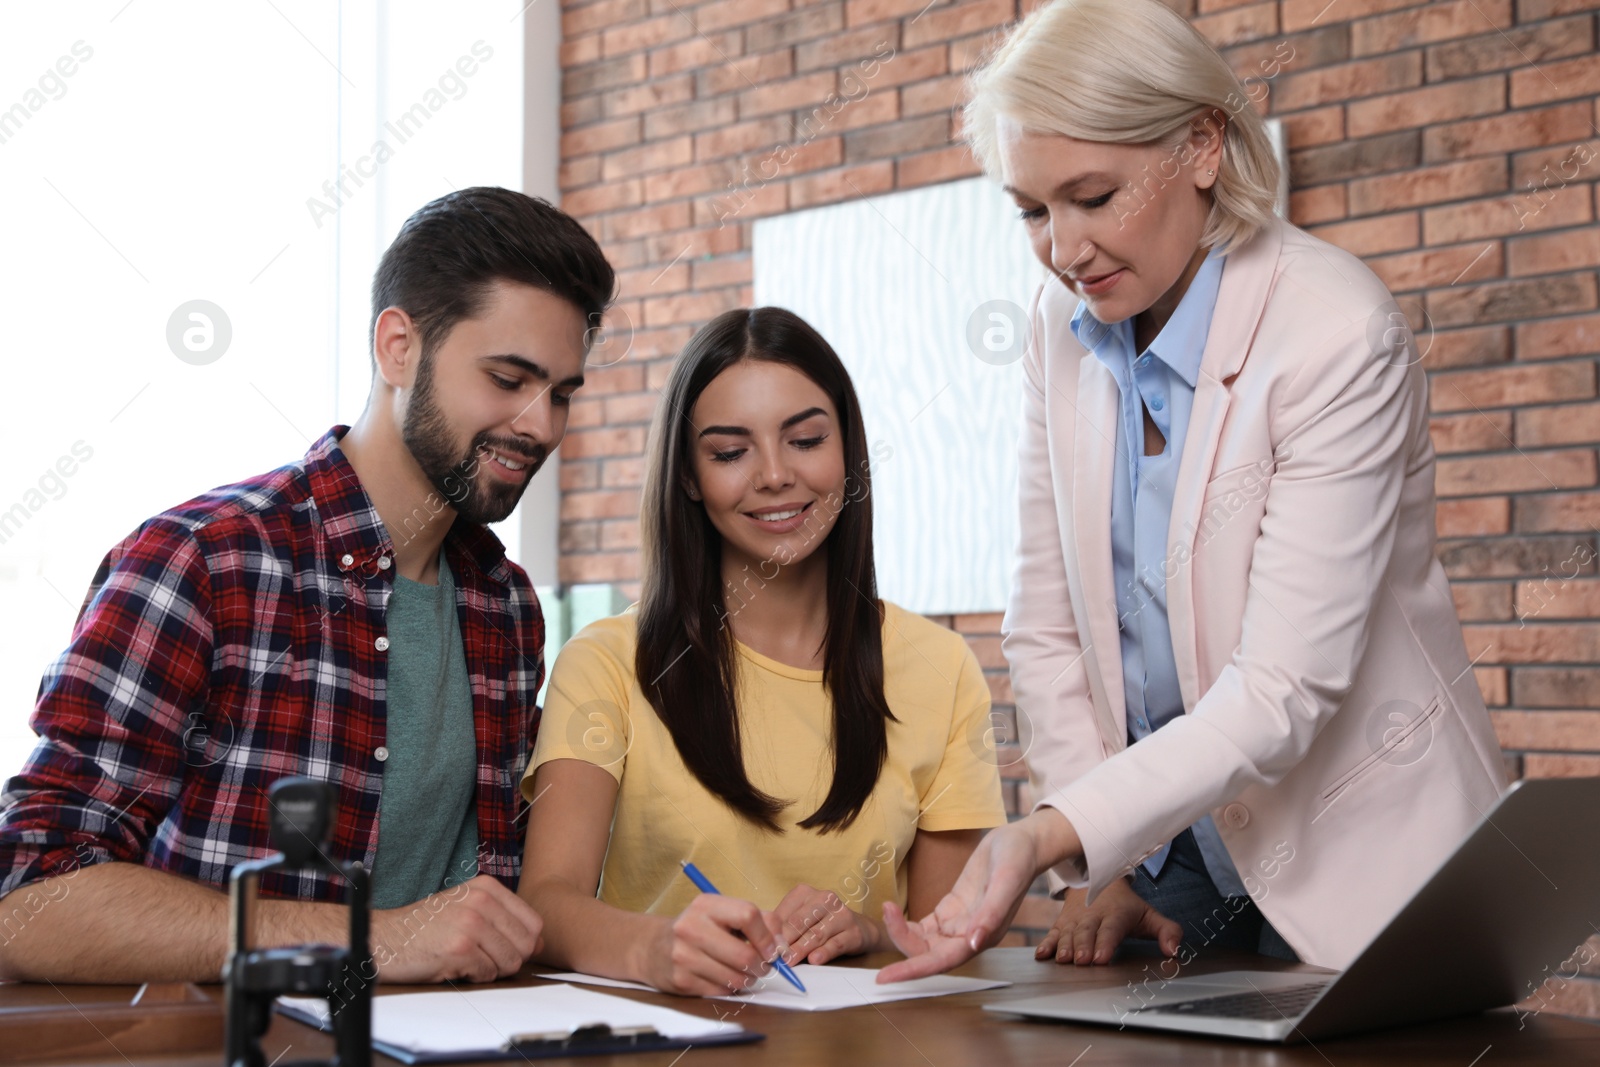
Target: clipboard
[[598, 1025]]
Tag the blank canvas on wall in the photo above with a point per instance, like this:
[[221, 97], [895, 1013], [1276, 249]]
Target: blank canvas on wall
[[924, 294]]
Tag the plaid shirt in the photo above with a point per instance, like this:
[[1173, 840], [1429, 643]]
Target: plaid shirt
[[237, 639]]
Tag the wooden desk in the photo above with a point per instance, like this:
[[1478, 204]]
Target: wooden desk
[[954, 1032]]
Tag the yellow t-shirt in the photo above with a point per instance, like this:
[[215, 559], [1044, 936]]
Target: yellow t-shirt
[[940, 773]]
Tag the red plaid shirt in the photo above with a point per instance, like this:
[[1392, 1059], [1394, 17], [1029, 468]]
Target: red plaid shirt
[[237, 639]]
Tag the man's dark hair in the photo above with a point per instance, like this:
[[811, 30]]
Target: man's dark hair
[[440, 267]]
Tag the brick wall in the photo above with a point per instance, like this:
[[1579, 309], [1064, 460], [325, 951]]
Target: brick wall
[[1452, 145]]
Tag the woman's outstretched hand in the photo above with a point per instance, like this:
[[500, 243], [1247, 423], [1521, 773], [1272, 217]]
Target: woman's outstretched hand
[[1090, 933], [978, 909]]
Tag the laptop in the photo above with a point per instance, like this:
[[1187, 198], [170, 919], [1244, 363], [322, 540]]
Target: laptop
[[1491, 925]]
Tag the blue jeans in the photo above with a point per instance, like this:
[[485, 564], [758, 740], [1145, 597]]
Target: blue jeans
[[1184, 893]]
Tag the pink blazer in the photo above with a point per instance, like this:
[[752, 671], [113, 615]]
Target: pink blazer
[[1334, 728]]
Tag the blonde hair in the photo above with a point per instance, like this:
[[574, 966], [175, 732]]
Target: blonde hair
[[1127, 72]]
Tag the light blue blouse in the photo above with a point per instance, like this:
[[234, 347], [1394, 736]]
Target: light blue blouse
[[1160, 380]]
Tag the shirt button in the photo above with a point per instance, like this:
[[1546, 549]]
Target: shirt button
[[1237, 816], [383, 563], [347, 560], [380, 754], [1156, 403], [381, 644]]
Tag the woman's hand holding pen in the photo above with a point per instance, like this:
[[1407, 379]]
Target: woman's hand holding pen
[[976, 913], [716, 946], [820, 927]]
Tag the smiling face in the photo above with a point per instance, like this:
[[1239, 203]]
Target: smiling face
[[489, 404], [1120, 224], [767, 462]]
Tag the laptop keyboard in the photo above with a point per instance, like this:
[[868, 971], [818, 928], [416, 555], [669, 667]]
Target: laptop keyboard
[[1272, 1005]]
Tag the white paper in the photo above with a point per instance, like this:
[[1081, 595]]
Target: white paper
[[481, 1019], [827, 988]]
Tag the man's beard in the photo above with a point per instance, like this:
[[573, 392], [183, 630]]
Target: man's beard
[[427, 434]]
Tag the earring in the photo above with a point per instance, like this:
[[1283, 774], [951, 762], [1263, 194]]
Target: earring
[[1210, 172], [694, 494]]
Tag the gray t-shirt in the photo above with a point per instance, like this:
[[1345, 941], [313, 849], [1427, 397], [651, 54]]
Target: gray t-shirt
[[427, 819]]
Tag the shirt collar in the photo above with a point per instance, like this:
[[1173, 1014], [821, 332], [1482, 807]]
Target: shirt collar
[[1181, 343], [356, 534]]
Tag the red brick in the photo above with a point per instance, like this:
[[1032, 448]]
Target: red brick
[[861, 12], [583, 110], [619, 534], [1511, 386], [1473, 516], [1513, 48], [751, 72], [707, 241], [1348, 81], [847, 113], [696, 52], [1428, 185], [1513, 557], [689, 307], [742, 137], [651, 344], [754, 199], [636, 35], [637, 99], [689, 118], [1559, 730], [1556, 596], [846, 48], [1563, 424], [806, 91], [1427, 25], [1303, 14], [725, 270], [1481, 601], [630, 409], [847, 183], [926, 168], [986, 623], [587, 412], [614, 377], [1533, 643], [944, 22], [597, 198], [968, 53], [1366, 237], [1579, 77], [1448, 349], [1549, 253], [1577, 997], [577, 20], [899, 139], [690, 181], [1533, 10], [657, 219], [1506, 133], [804, 24], [1514, 473], [999, 688], [987, 649], [1506, 215], [1558, 512], [579, 474], [1544, 169], [576, 173], [1323, 125], [1431, 267], [724, 13], [1426, 107], [580, 50], [636, 284], [1493, 683], [1554, 294], [902, 68], [599, 567], [1321, 203], [608, 441], [606, 74], [1238, 25], [1556, 687], [1474, 432], [658, 155], [579, 537], [625, 473], [1355, 159]]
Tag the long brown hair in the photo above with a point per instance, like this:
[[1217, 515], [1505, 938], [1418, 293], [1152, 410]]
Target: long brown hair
[[685, 660]]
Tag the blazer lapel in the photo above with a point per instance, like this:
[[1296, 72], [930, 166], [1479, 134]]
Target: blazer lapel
[[1094, 445], [1242, 297]]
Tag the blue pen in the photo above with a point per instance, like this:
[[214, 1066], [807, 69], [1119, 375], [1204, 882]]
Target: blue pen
[[702, 883]]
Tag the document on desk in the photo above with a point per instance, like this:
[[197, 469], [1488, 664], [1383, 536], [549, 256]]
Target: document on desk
[[480, 1023], [828, 988]]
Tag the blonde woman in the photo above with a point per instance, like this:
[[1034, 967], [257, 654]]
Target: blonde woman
[[1255, 719]]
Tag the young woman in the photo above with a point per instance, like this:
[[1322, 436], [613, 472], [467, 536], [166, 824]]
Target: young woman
[[815, 751], [1255, 719]]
